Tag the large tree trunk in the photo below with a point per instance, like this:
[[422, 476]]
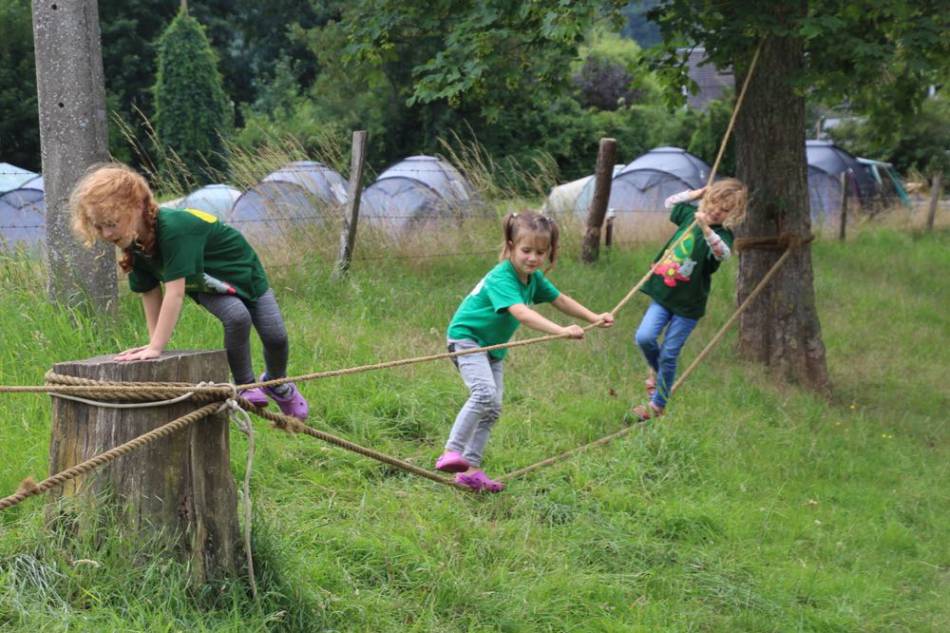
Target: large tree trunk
[[73, 136], [781, 327]]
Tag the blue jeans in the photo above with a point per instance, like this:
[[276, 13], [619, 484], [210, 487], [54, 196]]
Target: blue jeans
[[662, 357]]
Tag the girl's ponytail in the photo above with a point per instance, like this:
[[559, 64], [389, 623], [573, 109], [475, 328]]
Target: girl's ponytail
[[540, 226]]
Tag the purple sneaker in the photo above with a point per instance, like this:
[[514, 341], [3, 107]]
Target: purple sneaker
[[255, 396], [451, 462], [292, 403], [478, 481]]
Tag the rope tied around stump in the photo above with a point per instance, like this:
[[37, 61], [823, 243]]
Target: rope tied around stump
[[781, 242]]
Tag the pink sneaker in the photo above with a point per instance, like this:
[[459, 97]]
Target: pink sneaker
[[478, 481], [292, 403], [451, 462], [255, 396]]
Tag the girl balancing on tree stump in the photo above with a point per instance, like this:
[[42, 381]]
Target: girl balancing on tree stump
[[489, 315], [679, 286], [190, 252]]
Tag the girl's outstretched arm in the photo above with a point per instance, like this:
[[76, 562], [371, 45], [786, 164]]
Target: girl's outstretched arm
[[572, 308], [152, 305], [537, 322], [171, 302]]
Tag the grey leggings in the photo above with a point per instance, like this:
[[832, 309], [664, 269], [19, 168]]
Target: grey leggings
[[237, 316], [484, 377]]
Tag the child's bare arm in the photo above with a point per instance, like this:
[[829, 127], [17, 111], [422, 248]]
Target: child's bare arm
[[537, 322], [151, 305], [571, 307], [171, 303]]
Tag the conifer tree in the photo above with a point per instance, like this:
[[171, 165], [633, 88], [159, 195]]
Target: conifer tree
[[193, 115]]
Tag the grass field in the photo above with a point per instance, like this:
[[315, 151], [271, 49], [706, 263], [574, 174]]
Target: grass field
[[752, 506]]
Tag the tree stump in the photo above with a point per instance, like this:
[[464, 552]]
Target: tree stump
[[178, 489]]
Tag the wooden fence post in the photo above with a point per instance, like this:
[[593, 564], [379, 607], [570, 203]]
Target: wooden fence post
[[178, 489], [352, 211], [843, 220], [603, 177], [936, 187]]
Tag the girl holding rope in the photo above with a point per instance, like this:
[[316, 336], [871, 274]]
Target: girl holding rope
[[490, 315], [679, 286], [190, 252]]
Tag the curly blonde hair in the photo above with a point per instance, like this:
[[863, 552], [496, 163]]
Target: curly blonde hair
[[730, 195], [107, 193]]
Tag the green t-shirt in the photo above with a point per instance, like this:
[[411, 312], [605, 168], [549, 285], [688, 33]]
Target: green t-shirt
[[681, 281], [483, 315], [212, 257]]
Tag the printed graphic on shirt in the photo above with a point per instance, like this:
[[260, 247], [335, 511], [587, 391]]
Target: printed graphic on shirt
[[214, 285], [677, 266], [201, 215]]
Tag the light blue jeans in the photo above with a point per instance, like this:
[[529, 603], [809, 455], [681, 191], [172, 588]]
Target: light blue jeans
[[662, 357], [484, 377]]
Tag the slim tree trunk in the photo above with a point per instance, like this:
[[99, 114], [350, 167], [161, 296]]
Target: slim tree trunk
[[781, 329], [73, 136], [603, 176]]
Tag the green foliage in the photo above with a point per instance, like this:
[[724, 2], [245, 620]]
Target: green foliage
[[880, 54], [128, 31], [193, 117], [709, 128], [921, 143], [19, 124], [750, 507], [613, 68], [414, 72]]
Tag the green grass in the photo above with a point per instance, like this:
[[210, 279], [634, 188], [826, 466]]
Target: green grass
[[753, 506]]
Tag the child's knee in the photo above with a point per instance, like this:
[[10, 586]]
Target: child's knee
[[485, 397], [645, 340], [238, 321]]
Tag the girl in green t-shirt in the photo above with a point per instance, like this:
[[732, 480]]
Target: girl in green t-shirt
[[681, 280], [489, 315], [189, 252]]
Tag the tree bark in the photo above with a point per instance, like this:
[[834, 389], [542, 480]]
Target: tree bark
[[73, 136], [781, 329], [178, 489]]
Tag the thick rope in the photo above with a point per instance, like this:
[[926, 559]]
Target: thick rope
[[565, 455], [735, 316], [28, 488], [284, 422], [702, 355], [293, 425]]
